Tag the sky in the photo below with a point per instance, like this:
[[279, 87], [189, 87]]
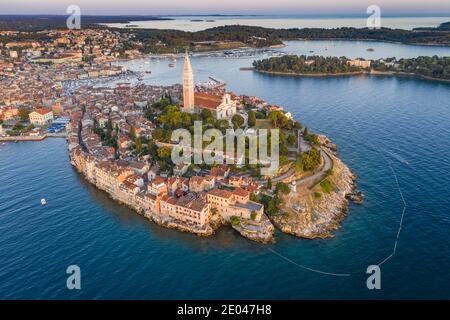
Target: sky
[[269, 7]]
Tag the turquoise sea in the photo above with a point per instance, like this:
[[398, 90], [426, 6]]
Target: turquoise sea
[[393, 133]]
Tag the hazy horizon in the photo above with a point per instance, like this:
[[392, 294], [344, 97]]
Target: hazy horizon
[[229, 7]]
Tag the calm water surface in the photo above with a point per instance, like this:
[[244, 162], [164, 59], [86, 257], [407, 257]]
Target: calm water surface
[[186, 23], [379, 123]]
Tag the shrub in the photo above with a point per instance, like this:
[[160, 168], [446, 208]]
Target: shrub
[[234, 221], [282, 187], [326, 185]]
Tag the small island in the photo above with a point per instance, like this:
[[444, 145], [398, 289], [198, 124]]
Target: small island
[[433, 68]]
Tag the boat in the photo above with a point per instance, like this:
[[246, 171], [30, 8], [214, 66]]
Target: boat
[[43, 202], [370, 49], [171, 65], [148, 71]]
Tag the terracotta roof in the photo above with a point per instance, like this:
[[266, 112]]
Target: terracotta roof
[[196, 180], [241, 192], [43, 111], [220, 193], [206, 100], [158, 180], [171, 180], [219, 171], [169, 199]]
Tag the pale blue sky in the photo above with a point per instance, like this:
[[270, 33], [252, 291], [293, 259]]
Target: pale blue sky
[[149, 7]]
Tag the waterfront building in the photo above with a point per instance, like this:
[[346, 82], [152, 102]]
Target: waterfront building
[[359, 63], [235, 203], [157, 186], [41, 117], [189, 210]]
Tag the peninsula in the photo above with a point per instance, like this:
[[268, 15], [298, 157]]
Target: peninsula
[[125, 149]]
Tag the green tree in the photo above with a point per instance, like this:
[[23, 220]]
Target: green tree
[[133, 133], [164, 152], [310, 159], [272, 206], [278, 119], [234, 221], [269, 183], [205, 114], [251, 119], [237, 121], [109, 124], [292, 139], [138, 144], [158, 134], [24, 114], [222, 125], [282, 187]]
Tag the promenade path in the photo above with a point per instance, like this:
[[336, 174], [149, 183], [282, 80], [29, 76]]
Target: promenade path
[[312, 180]]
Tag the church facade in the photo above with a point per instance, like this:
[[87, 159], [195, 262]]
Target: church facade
[[220, 106]]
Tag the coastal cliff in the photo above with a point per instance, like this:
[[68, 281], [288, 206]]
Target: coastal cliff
[[315, 212]]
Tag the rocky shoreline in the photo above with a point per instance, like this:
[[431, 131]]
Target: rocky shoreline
[[317, 216]]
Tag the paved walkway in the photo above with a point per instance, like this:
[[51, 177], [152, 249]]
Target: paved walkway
[[310, 180]]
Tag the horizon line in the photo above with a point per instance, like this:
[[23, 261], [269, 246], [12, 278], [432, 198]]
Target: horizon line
[[392, 14]]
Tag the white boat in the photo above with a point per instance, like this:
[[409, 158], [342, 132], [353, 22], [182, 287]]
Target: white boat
[[43, 202]]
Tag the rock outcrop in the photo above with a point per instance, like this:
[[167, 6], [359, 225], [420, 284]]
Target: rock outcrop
[[314, 213]]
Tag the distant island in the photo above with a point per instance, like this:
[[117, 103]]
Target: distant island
[[435, 68]]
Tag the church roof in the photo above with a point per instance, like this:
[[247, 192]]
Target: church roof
[[207, 101]]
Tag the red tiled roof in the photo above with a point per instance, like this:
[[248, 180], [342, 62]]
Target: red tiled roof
[[158, 180], [43, 111], [206, 100], [241, 192], [220, 193]]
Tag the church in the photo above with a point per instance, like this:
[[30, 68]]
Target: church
[[221, 106]]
